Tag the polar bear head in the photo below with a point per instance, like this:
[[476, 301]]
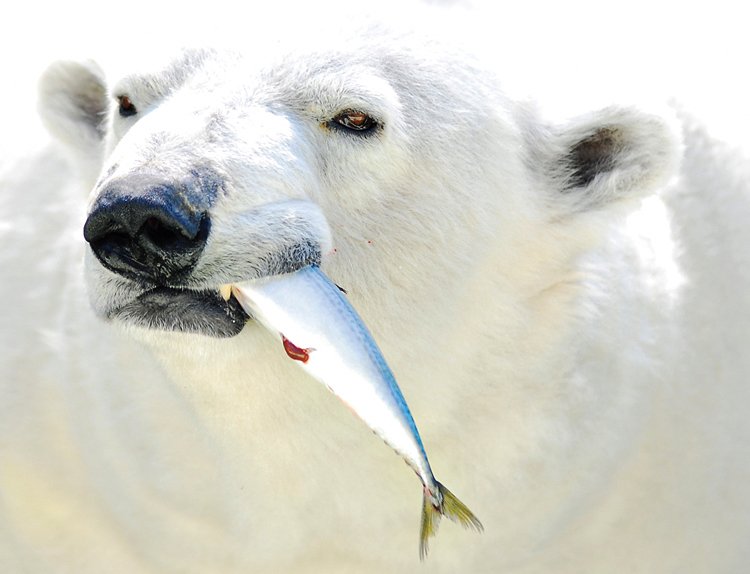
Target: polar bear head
[[395, 164]]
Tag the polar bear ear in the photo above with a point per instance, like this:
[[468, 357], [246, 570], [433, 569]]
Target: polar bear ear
[[611, 155], [73, 103]]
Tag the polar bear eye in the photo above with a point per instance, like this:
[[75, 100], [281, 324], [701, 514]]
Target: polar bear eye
[[355, 121], [126, 106]]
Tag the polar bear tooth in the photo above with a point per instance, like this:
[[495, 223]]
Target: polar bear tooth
[[225, 291]]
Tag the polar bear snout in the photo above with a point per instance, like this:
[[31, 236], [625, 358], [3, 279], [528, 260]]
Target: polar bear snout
[[146, 229]]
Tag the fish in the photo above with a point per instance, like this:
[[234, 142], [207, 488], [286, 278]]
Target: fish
[[322, 332]]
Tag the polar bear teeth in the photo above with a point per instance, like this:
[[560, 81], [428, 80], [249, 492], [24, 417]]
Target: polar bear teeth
[[225, 291]]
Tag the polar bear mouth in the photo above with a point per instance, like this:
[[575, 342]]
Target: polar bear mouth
[[208, 312], [148, 268]]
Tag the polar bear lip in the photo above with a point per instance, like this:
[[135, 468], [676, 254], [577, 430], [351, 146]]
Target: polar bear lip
[[169, 309]]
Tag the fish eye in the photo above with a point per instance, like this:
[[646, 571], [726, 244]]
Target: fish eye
[[127, 108]]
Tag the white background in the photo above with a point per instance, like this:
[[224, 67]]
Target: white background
[[697, 52]]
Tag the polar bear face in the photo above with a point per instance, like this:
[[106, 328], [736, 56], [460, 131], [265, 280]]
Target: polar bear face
[[220, 168]]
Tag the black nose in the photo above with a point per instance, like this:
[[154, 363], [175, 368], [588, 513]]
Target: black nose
[[146, 230]]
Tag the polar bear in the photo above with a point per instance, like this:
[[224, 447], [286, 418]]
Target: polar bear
[[564, 304]]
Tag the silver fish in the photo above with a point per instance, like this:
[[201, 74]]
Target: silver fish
[[325, 335]]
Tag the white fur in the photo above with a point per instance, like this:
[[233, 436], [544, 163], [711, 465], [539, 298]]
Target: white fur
[[574, 355]]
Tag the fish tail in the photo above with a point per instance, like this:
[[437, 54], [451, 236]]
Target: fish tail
[[435, 505]]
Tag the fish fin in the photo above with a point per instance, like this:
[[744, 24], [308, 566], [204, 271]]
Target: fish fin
[[431, 516], [457, 511], [435, 507]]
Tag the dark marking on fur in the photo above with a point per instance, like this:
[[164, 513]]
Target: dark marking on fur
[[592, 156], [291, 258]]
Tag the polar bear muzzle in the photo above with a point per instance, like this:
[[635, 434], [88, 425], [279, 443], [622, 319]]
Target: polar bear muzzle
[[163, 249], [153, 232]]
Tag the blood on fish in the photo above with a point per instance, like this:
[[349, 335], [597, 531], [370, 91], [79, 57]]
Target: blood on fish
[[295, 352]]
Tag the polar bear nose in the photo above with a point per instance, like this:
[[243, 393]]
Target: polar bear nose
[[153, 233]]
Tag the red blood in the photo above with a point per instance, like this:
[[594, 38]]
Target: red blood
[[295, 352]]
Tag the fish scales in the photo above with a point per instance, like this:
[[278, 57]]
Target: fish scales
[[359, 329]]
